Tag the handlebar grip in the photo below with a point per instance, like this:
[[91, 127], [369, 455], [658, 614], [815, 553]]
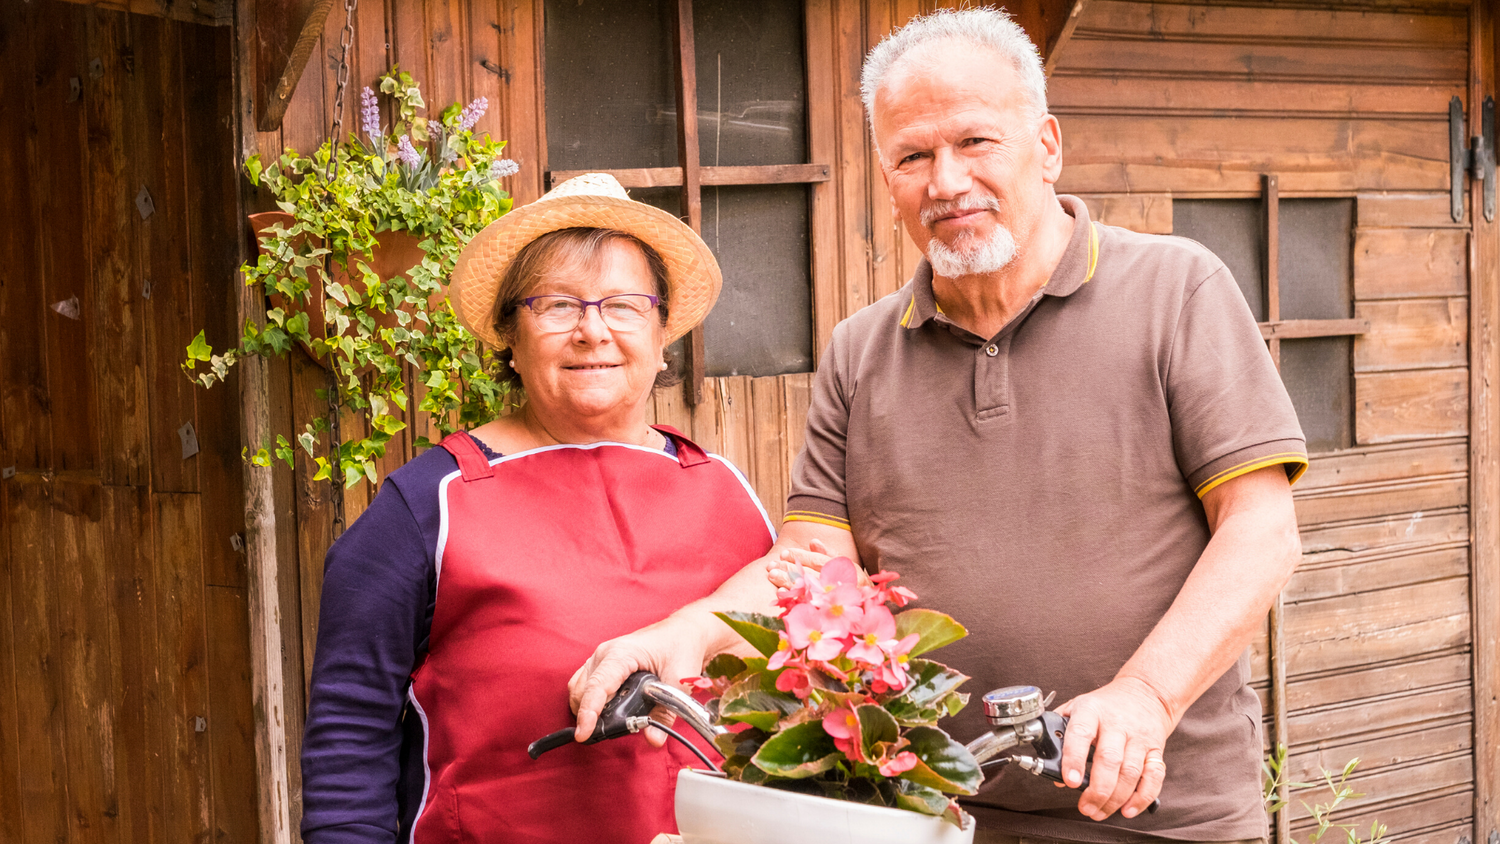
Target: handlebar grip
[[551, 741]]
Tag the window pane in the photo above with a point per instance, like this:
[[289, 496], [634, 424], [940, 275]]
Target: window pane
[[1231, 229], [1314, 275], [1317, 376], [762, 324], [611, 98], [752, 87]]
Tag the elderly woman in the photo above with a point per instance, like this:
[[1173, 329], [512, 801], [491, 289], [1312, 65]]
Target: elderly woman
[[486, 570]]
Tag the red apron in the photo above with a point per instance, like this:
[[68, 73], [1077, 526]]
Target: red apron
[[542, 556]]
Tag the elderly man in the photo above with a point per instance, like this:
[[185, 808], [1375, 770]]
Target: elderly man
[[1068, 436]]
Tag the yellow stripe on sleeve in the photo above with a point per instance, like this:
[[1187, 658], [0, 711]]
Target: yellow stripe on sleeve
[[1252, 465], [816, 518]]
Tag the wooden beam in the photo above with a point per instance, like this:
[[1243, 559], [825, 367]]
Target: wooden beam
[[1059, 38], [1484, 450], [1272, 203], [671, 177], [285, 33], [206, 12], [687, 159], [267, 638], [1292, 329]]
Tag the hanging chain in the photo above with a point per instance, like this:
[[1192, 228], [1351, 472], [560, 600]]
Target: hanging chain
[[335, 435]]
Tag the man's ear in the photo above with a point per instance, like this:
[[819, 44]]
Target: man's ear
[[1049, 136]]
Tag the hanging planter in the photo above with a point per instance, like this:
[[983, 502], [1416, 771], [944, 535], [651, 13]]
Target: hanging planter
[[384, 217]]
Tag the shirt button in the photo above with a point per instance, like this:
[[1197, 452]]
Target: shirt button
[[992, 350]]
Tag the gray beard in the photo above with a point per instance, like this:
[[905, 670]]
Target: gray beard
[[971, 256]]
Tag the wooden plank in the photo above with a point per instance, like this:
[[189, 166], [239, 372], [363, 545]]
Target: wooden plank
[[1386, 681], [768, 444], [1378, 625], [57, 158], [286, 33], [1061, 20], [81, 584], [1442, 834], [1373, 500], [1289, 329], [525, 116], [1436, 810], [1150, 213], [138, 721], [207, 12], [314, 518], [1071, 93], [1406, 263], [705, 421], [183, 640], [1113, 154], [231, 727], [1412, 334], [42, 731], [1401, 747], [1388, 786], [796, 396], [822, 143], [447, 56], [852, 151], [672, 409], [10, 739], [1384, 463], [25, 410], [1264, 59], [1392, 406], [1406, 710], [1361, 575], [158, 138], [671, 177], [117, 294], [1185, 22], [1411, 530], [1403, 210], [734, 415]]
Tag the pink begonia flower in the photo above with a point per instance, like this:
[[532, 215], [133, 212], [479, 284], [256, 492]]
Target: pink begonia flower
[[784, 652], [875, 625], [795, 681], [893, 670], [809, 628], [804, 583], [898, 595], [899, 764], [843, 725]]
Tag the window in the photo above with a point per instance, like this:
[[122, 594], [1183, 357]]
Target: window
[[619, 76], [1293, 261]]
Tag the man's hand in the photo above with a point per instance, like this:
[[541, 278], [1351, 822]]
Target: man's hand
[[779, 569], [1127, 725], [672, 649]]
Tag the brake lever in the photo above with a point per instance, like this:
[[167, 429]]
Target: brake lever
[[627, 712]]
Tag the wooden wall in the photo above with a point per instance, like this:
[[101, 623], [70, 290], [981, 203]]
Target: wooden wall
[[1164, 100], [125, 706], [1156, 100]]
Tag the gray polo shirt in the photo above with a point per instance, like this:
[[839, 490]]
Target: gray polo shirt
[[1042, 486]]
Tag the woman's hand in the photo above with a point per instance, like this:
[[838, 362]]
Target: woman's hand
[[779, 571], [672, 649]]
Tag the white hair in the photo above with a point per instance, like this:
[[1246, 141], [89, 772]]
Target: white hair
[[983, 27]]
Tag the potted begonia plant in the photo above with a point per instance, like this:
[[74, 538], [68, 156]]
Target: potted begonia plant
[[384, 217], [839, 705]]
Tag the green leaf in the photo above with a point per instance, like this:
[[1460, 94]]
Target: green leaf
[[759, 630], [944, 763], [798, 752], [724, 665], [199, 349], [930, 690], [252, 169], [920, 798], [934, 629], [876, 726], [750, 702]]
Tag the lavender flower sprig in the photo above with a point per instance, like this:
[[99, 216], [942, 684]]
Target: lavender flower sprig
[[502, 167], [407, 153], [369, 114], [471, 113]]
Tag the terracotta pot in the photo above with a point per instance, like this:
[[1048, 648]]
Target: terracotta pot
[[395, 254], [715, 810]]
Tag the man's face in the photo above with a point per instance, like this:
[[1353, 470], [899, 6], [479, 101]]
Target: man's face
[[966, 163]]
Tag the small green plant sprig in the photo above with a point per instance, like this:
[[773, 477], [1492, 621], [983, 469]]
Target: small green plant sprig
[[1274, 775], [430, 178]]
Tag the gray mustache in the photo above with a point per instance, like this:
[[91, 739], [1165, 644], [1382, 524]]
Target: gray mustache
[[931, 213]]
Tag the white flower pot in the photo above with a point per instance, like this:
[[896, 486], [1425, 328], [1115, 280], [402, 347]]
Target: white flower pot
[[715, 810]]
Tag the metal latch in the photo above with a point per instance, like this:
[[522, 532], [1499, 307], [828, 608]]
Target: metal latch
[[1477, 160]]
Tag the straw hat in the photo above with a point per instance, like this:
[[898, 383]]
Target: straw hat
[[594, 200]]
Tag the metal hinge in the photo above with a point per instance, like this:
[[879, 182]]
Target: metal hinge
[[1477, 160]]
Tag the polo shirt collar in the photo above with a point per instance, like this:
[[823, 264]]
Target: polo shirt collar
[[1079, 261]]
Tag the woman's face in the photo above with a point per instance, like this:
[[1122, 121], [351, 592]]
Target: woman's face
[[591, 372]]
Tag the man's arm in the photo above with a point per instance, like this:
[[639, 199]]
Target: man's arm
[[680, 644], [1253, 550]]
